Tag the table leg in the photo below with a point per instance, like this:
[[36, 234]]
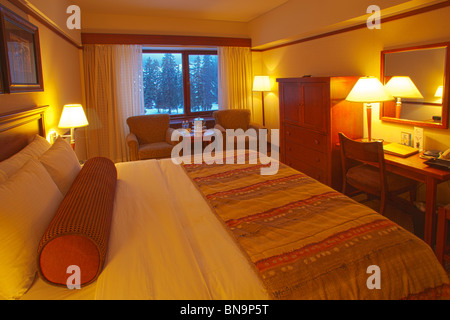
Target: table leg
[[430, 210]]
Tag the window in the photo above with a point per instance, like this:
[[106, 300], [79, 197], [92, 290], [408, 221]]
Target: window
[[181, 83]]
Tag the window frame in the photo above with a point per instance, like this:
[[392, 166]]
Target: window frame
[[186, 80]]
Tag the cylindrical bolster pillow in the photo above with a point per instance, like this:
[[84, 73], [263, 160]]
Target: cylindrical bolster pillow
[[78, 234]]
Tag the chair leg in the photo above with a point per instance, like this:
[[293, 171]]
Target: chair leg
[[413, 195], [441, 235], [383, 204], [344, 188]]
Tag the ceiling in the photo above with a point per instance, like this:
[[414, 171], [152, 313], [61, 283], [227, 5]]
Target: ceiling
[[225, 10]]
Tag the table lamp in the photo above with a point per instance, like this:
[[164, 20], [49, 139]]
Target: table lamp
[[72, 117], [369, 90], [439, 92], [402, 87], [262, 84]]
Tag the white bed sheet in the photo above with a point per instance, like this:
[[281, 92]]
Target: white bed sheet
[[165, 243]]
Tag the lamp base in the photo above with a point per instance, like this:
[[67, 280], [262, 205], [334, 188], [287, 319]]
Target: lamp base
[[369, 120], [398, 108]]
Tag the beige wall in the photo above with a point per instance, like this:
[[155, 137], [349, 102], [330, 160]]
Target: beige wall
[[357, 53], [299, 18], [131, 24], [60, 66]]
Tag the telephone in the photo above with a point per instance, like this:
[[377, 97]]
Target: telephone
[[445, 155]]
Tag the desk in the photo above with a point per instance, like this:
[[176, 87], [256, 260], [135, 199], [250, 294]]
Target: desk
[[414, 168]]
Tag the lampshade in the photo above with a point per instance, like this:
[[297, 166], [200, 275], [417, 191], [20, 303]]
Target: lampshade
[[261, 83], [403, 87], [368, 90], [439, 92], [73, 117]]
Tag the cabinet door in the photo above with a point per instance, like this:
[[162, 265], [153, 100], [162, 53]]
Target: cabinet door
[[291, 101], [315, 105]]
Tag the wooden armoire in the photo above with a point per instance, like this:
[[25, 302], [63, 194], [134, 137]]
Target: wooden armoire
[[313, 110]]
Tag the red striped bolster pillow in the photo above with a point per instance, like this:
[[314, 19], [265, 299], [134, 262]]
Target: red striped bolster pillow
[[78, 234]]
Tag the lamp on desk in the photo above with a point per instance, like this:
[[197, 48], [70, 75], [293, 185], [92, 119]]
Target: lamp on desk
[[369, 90], [262, 84], [402, 87], [439, 92], [72, 117]]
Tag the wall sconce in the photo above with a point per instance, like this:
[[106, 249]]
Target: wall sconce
[[52, 135], [369, 90], [72, 117], [402, 87], [262, 84]]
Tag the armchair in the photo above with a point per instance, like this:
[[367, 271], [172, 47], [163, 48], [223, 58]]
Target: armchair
[[150, 137], [236, 119]]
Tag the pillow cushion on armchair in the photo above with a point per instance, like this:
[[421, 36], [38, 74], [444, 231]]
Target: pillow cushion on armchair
[[150, 137]]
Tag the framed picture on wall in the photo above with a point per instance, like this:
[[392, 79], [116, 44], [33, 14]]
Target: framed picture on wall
[[20, 58]]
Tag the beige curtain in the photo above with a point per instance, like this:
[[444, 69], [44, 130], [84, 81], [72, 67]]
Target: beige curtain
[[113, 78], [235, 78]]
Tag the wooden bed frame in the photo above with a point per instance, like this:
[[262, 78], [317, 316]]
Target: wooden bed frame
[[18, 127]]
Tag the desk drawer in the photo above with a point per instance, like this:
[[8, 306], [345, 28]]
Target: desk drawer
[[307, 138]]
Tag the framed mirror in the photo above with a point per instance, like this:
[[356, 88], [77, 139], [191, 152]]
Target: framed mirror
[[424, 101]]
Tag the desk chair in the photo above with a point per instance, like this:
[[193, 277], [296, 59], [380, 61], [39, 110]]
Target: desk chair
[[363, 168], [442, 250]]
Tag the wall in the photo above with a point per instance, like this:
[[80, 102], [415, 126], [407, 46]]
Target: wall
[[131, 24], [299, 18], [356, 53], [60, 66]]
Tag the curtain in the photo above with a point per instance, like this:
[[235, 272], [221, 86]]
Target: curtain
[[235, 78], [113, 79]]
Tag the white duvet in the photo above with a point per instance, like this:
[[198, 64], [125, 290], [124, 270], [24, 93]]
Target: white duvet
[[165, 243]]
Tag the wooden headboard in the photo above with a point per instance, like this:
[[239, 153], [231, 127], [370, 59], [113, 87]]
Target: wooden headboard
[[18, 127]]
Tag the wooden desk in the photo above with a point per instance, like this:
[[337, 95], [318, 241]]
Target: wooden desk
[[414, 168]]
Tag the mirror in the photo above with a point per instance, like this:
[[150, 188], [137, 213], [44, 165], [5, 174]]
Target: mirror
[[428, 69]]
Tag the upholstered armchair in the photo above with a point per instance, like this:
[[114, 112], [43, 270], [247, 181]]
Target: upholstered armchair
[[150, 137], [236, 119]]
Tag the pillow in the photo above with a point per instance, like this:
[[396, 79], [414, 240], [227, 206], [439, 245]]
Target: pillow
[[62, 164], [34, 149], [28, 201], [79, 233]]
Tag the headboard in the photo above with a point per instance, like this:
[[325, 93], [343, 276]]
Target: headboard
[[18, 127]]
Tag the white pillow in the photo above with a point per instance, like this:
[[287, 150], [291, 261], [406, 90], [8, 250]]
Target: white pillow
[[29, 200], [62, 164], [34, 149]]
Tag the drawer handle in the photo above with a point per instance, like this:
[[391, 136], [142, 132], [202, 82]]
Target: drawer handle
[[316, 141], [288, 133]]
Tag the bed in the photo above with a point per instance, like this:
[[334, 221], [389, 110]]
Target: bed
[[221, 232]]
